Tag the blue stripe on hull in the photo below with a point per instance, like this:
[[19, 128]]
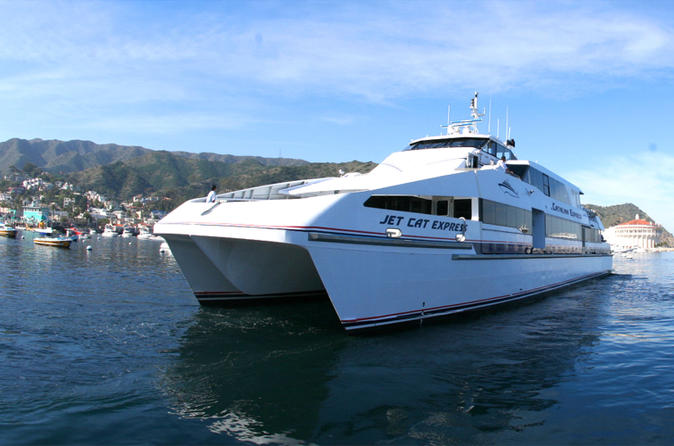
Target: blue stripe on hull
[[457, 308]]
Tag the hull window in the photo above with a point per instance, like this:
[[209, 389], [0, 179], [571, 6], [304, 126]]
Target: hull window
[[446, 206], [591, 235], [559, 228], [400, 203], [441, 207], [494, 213], [462, 208]]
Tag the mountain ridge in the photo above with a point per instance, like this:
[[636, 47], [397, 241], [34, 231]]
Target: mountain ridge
[[63, 157], [122, 172]]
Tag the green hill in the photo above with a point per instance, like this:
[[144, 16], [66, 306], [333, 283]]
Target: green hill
[[62, 157], [619, 213], [124, 171], [183, 178]]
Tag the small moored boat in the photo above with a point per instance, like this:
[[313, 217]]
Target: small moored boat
[[7, 231], [109, 231], [59, 242]]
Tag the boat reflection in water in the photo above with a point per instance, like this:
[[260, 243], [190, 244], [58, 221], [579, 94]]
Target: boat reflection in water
[[257, 374], [272, 375]]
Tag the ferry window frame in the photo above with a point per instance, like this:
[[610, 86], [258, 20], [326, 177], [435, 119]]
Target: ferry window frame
[[592, 235], [499, 214], [562, 228], [521, 170], [401, 203], [451, 206], [504, 151], [546, 184], [442, 207], [462, 207], [559, 191], [539, 180], [476, 143], [491, 148]]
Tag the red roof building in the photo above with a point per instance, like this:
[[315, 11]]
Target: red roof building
[[637, 233]]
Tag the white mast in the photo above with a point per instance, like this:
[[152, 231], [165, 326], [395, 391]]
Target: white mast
[[506, 127]]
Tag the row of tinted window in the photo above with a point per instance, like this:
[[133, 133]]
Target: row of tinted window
[[460, 207], [592, 235], [486, 145], [463, 142], [494, 213], [404, 203], [549, 186], [561, 228]]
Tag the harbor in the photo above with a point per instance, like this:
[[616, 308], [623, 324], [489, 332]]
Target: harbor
[[390, 223], [110, 343]]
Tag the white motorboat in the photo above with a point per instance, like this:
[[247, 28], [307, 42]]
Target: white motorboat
[[441, 227], [128, 231], [109, 231], [145, 233]]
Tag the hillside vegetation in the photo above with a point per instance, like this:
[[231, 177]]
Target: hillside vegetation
[[124, 171], [61, 157]]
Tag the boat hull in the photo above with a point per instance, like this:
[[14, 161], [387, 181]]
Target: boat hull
[[222, 270], [10, 233], [373, 286], [372, 281], [52, 242]]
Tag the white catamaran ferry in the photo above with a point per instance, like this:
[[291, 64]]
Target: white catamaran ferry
[[441, 227]]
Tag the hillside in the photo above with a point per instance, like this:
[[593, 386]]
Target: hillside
[[63, 157], [183, 178], [124, 171], [621, 213]]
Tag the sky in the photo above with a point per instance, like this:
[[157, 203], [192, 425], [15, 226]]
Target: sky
[[587, 86]]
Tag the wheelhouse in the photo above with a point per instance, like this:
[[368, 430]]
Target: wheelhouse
[[485, 144]]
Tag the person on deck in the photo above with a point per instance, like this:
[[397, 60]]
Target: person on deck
[[211, 195]]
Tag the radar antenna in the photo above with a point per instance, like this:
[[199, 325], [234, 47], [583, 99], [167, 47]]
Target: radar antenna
[[467, 126]]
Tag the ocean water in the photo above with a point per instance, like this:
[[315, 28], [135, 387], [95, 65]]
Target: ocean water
[[108, 346]]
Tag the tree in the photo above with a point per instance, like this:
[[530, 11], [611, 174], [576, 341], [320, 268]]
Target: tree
[[31, 169]]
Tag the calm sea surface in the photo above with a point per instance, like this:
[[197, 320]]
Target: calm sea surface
[[109, 346]]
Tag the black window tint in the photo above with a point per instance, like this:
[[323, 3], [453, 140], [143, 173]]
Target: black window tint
[[494, 213], [442, 207], [462, 208], [460, 142], [561, 228], [400, 203]]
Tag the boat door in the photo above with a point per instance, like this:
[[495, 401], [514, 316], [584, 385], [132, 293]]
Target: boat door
[[538, 228]]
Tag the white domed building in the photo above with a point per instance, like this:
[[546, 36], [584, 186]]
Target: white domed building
[[637, 233]]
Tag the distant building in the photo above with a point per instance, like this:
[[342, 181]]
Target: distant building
[[35, 214], [98, 213], [637, 233]]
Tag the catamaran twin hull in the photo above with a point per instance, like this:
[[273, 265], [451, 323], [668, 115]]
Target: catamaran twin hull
[[371, 279], [454, 222]]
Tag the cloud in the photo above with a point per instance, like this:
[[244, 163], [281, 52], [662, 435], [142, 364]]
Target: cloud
[[169, 123], [377, 51], [645, 178]]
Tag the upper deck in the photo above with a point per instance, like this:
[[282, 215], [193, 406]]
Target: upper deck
[[485, 143]]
